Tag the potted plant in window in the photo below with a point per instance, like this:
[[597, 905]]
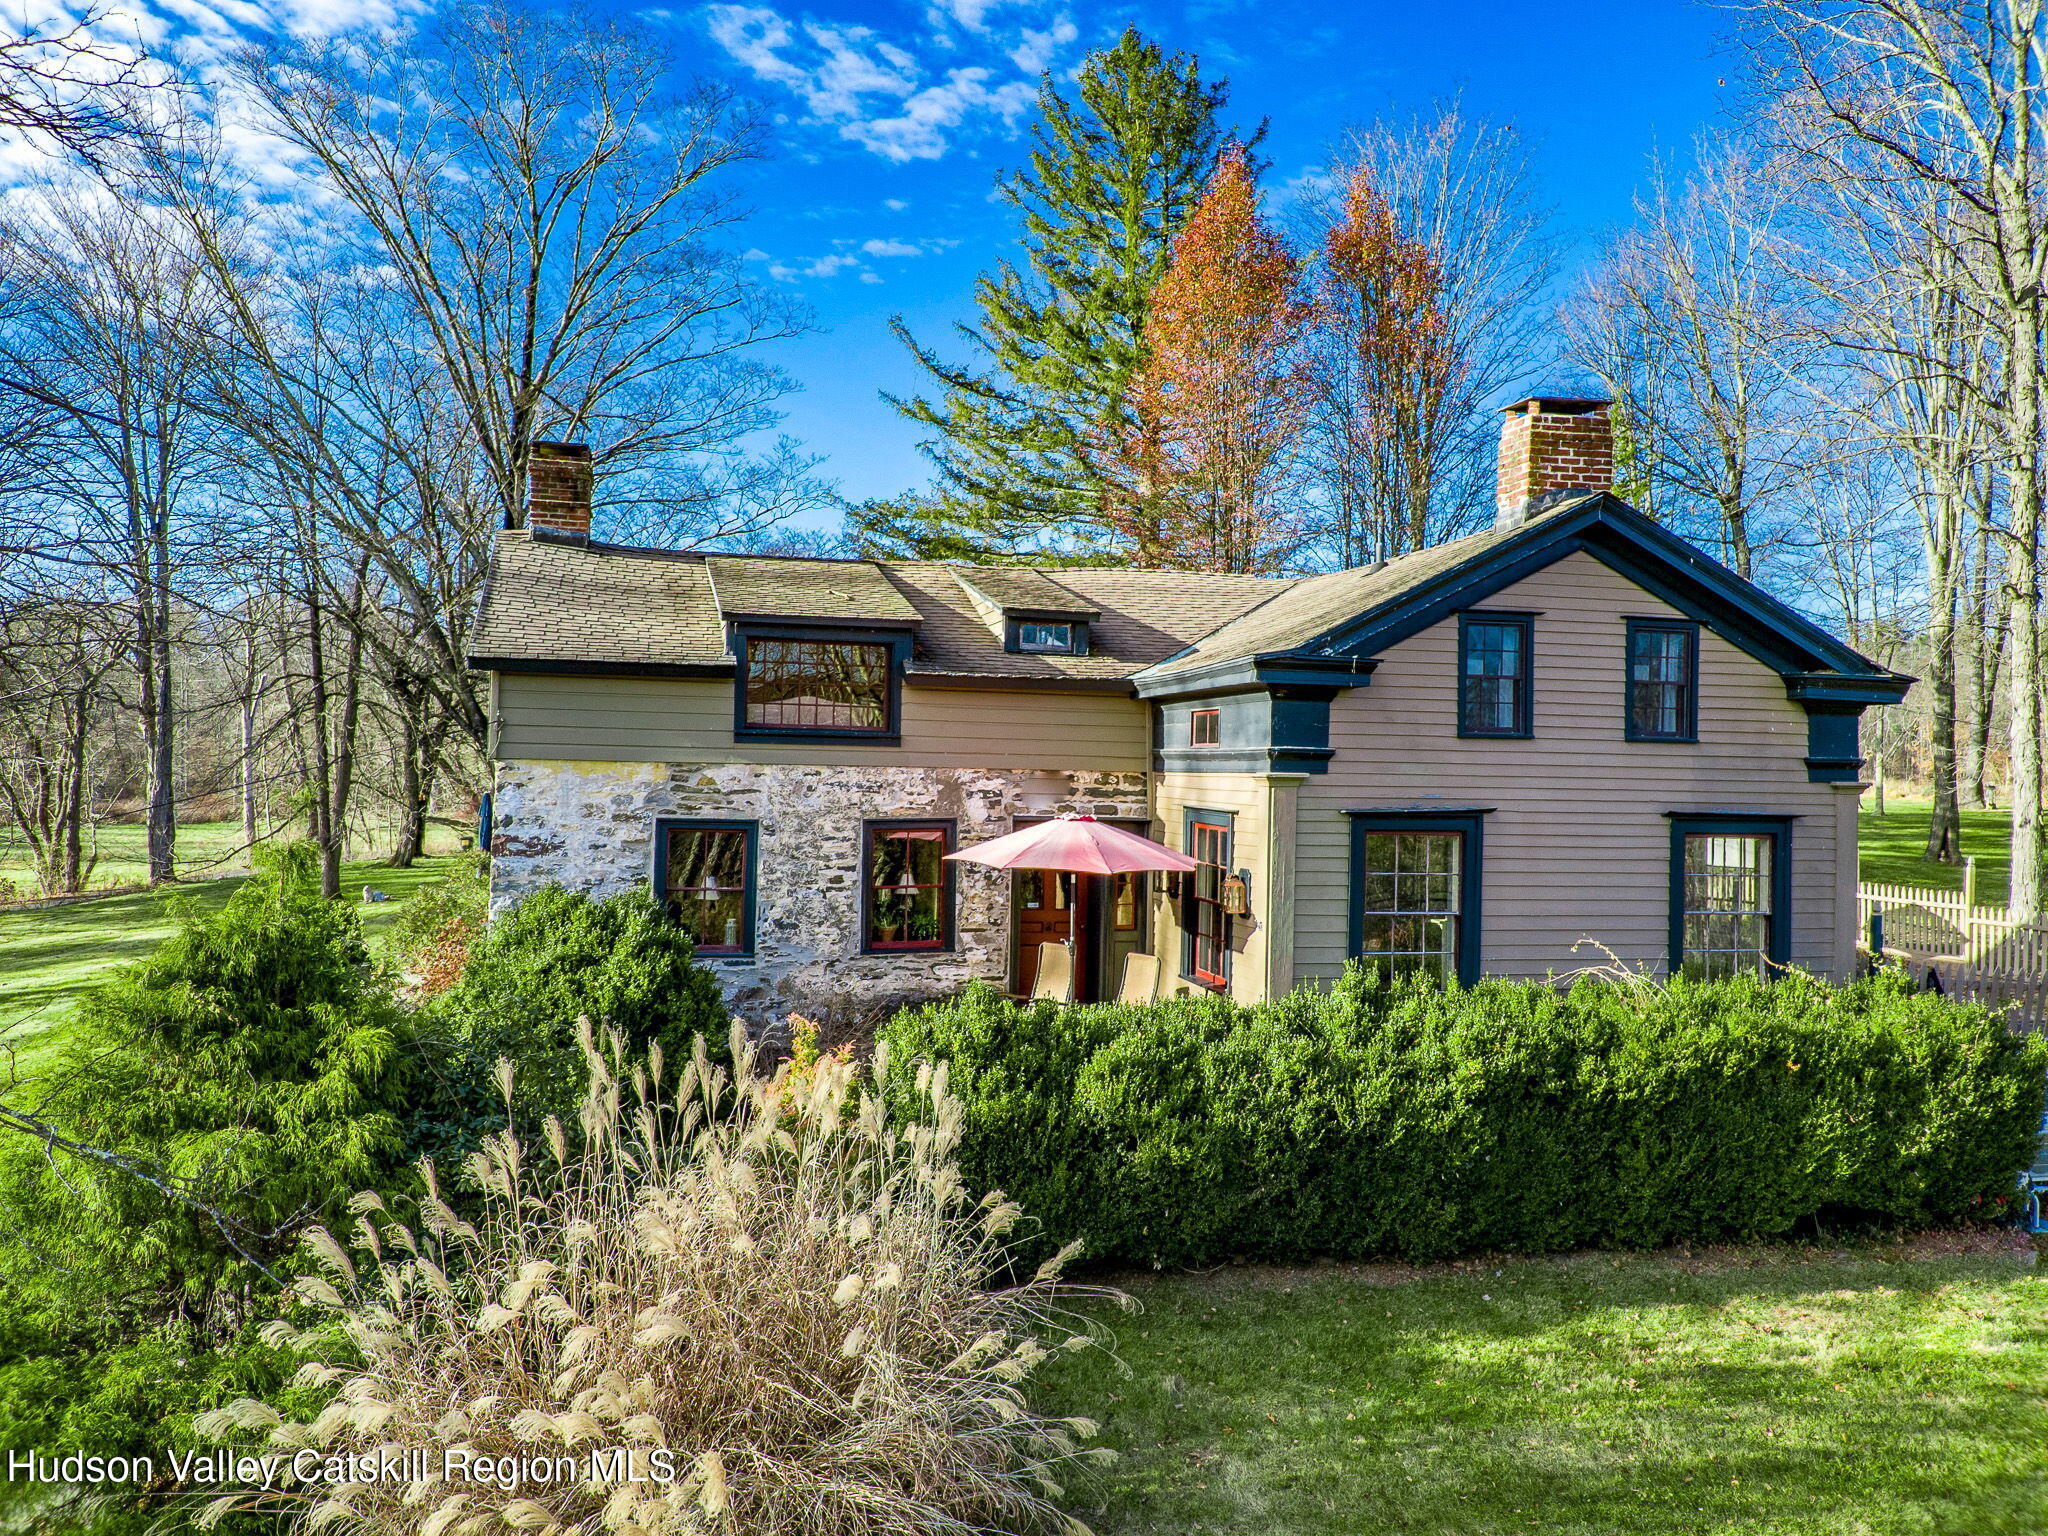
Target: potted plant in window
[[924, 927], [889, 914]]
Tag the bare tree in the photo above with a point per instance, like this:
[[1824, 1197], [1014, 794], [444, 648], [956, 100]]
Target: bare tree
[[109, 329], [1949, 96], [1400, 441], [55, 654], [1687, 323]]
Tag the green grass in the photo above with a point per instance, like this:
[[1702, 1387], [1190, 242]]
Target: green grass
[[1816, 1394], [203, 848], [1890, 847], [48, 955]]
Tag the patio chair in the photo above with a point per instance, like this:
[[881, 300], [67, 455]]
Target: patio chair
[[1141, 979], [1055, 981]]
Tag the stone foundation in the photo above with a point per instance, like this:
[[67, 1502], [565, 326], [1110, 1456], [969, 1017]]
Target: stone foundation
[[590, 826]]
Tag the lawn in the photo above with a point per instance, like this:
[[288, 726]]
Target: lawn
[[1860, 1392], [48, 955], [203, 847], [1890, 846]]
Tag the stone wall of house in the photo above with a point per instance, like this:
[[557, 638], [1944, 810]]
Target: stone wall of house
[[590, 826]]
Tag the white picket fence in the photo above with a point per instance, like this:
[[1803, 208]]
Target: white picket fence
[[1972, 952]]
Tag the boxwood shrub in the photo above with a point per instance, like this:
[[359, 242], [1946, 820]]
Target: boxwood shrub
[[1372, 1120]]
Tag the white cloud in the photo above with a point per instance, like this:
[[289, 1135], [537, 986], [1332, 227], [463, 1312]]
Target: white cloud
[[870, 277], [971, 14], [891, 248], [877, 94], [1036, 52], [894, 204], [822, 266]]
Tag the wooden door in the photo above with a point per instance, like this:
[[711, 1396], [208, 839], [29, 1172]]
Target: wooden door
[[1044, 916]]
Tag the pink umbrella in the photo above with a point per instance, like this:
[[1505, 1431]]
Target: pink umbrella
[[1078, 845]]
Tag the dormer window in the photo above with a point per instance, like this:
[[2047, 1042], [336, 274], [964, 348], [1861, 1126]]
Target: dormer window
[[1047, 637], [799, 686]]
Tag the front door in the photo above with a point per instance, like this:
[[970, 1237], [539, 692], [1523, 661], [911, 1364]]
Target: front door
[[1044, 913], [1113, 923]]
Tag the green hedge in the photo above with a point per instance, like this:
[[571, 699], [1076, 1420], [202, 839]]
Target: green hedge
[[1375, 1121]]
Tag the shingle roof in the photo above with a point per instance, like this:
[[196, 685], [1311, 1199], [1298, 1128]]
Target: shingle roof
[[1311, 607], [1018, 588], [753, 587], [555, 601]]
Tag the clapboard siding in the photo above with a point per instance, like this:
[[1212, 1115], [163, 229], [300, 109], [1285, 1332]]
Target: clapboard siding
[[645, 720], [1246, 798], [1578, 845]]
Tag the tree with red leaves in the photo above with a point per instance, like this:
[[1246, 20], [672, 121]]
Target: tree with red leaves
[[1383, 371], [1199, 466]]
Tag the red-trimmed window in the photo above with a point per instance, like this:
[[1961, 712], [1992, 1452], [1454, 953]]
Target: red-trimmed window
[[908, 901], [1207, 926], [1205, 727]]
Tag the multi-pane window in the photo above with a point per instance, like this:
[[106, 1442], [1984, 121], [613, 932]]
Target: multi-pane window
[[1205, 727], [1493, 675], [1727, 901], [1663, 671], [1206, 952], [1411, 902], [1033, 635], [909, 887], [705, 878], [817, 685]]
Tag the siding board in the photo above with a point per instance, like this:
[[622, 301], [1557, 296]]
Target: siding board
[[658, 720], [1578, 845]]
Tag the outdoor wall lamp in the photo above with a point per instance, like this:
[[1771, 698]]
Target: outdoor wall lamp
[[1237, 894]]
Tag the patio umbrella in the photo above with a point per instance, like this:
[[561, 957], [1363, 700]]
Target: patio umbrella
[[1077, 845]]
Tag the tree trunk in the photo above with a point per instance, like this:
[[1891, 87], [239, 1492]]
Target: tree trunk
[[319, 824], [1945, 820], [2023, 581], [249, 738]]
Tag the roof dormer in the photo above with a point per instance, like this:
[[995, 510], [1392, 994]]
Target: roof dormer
[[1028, 611]]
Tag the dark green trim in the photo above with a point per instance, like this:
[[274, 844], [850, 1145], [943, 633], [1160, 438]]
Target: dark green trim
[[948, 900], [1243, 760], [1077, 635], [1689, 731], [1470, 823], [663, 825], [1738, 823], [1246, 674], [1227, 820], [896, 642], [1525, 701], [1018, 682], [517, 664]]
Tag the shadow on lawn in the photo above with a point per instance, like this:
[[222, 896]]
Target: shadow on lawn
[[1840, 1397]]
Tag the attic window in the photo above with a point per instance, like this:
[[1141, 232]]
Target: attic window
[[817, 687], [1049, 637]]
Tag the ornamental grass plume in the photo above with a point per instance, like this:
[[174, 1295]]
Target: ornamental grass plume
[[756, 1285]]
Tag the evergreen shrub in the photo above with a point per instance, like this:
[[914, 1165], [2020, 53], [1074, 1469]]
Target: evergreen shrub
[[559, 955], [1403, 1121]]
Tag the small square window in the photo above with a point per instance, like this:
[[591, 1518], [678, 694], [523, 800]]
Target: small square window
[[1205, 727], [1494, 674], [1032, 635]]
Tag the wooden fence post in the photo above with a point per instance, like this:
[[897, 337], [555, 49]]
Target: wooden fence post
[[1970, 881]]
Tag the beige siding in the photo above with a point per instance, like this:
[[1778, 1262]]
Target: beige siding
[[1246, 796], [659, 720], [1578, 845]]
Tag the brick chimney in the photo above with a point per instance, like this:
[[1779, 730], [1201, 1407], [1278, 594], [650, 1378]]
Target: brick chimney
[[558, 488], [1550, 449]]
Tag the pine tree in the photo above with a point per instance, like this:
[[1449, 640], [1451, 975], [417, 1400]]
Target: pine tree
[[1114, 172]]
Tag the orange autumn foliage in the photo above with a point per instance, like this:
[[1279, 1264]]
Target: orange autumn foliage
[[1199, 461]]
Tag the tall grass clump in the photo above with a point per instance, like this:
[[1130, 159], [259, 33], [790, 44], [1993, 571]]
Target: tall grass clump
[[780, 1303]]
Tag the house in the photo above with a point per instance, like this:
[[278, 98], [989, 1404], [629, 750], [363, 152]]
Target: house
[[1571, 727]]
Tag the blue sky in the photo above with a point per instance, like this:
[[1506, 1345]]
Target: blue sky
[[892, 118]]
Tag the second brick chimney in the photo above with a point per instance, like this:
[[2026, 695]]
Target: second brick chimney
[[1549, 449], [558, 482]]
